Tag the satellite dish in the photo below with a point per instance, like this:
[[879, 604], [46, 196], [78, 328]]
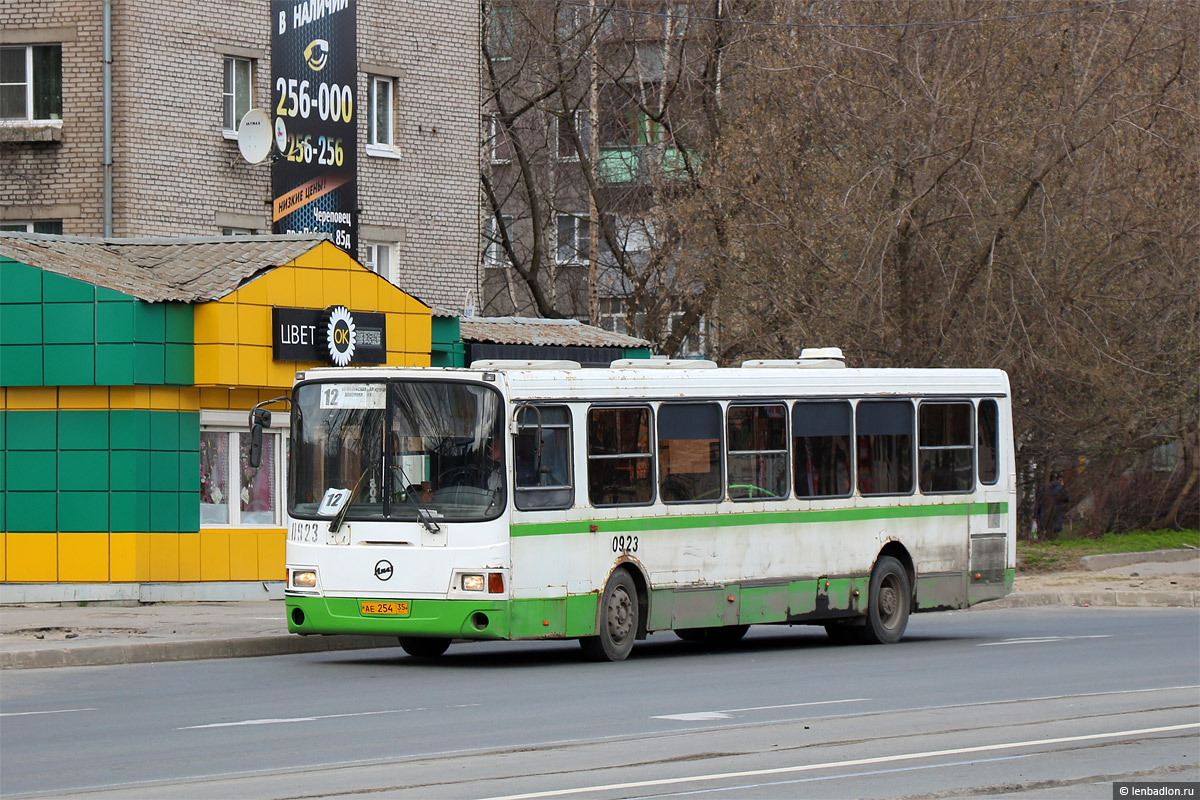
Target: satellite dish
[[254, 136]]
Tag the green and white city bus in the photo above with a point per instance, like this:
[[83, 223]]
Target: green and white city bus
[[538, 500]]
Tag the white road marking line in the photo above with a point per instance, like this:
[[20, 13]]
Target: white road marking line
[[855, 762], [288, 720], [706, 716], [32, 713], [1042, 640]]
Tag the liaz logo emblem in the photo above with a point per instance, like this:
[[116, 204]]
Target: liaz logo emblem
[[340, 336], [383, 570], [317, 54]]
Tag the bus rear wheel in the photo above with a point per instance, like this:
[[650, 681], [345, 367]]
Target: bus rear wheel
[[421, 647], [618, 623], [889, 604]]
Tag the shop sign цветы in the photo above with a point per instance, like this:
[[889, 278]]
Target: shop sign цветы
[[335, 335], [314, 64]]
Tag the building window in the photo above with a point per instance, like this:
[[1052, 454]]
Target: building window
[[377, 257], [493, 238], [572, 239], [31, 83], [37, 226], [689, 452], [237, 92], [229, 231], [380, 123], [563, 131], [500, 33], [231, 491], [499, 142]]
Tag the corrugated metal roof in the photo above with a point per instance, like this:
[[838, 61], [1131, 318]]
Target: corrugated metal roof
[[530, 330], [188, 269]]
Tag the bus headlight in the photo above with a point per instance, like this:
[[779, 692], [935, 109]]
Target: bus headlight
[[304, 579], [472, 583]]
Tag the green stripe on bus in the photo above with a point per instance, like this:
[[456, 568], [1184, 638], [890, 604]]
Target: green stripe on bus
[[754, 518]]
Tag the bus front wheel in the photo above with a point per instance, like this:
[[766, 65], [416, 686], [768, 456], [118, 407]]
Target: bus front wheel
[[618, 623], [889, 603], [421, 647]]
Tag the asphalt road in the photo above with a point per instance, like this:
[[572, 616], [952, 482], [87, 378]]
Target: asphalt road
[[1046, 702]]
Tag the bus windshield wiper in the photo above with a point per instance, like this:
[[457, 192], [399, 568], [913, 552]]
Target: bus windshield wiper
[[424, 516]]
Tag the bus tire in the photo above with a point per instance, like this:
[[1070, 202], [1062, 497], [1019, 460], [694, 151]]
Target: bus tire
[[422, 647], [889, 603], [618, 621]]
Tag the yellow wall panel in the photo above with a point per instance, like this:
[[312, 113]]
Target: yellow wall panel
[[216, 365], [31, 557], [189, 398], [364, 290], [164, 398], [129, 559], [313, 259], [281, 374], [215, 323], [310, 290], [83, 557], [214, 555], [271, 555], [3, 399], [129, 396], [281, 287], [254, 324], [189, 556], [214, 398], [253, 292], [83, 397], [334, 257], [243, 555], [252, 365], [164, 556], [3, 560], [336, 285], [32, 397], [243, 399]]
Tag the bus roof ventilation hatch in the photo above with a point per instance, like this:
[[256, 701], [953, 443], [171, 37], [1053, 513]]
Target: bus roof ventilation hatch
[[516, 363], [663, 363], [810, 358]]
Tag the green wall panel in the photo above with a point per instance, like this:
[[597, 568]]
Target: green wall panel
[[30, 470], [149, 323], [129, 511], [129, 429], [189, 472], [20, 365], [189, 511], [20, 283], [179, 323], [164, 511], [83, 470], [70, 364], [164, 472], [82, 430], [179, 364], [69, 323], [20, 323], [149, 362], [104, 295], [189, 431], [114, 364], [31, 430], [114, 322], [129, 470], [59, 289], [33, 512], [83, 511], [164, 430]]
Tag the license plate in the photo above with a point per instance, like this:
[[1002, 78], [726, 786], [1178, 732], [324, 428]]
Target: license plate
[[394, 608]]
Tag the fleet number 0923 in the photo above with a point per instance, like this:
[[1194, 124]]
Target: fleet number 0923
[[625, 544]]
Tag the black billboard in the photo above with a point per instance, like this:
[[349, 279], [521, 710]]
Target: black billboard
[[314, 79], [335, 335]]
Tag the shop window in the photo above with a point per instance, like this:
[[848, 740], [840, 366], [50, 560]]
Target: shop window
[[620, 464], [821, 448], [31, 83], [758, 454], [689, 452], [237, 92], [884, 430], [945, 451], [381, 114], [543, 457], [36, 226], [988, 428], [572, 239], [231, 491]]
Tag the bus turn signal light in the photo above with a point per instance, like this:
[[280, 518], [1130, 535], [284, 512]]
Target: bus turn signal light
[[495, 583]]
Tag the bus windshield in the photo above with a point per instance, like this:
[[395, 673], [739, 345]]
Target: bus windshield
[[398, 450]]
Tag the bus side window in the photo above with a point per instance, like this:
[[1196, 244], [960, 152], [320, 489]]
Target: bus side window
[[821, 448], [989, 442], [542, 458], [689, 452], [620, 463], [945, 449], [884, 431], [758, 462]]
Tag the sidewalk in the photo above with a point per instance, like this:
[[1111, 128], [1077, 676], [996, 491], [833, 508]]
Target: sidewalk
[[61, 635]]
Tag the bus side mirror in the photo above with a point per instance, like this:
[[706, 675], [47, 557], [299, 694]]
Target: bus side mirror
[[262, 418]]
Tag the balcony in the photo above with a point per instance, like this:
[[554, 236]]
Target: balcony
[[641, 164]]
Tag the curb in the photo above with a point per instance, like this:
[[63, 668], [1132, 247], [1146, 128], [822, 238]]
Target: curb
[[1105, 561], [1109, 598], [148, 652]]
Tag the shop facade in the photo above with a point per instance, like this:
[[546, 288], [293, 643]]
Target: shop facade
[[127, 369]]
